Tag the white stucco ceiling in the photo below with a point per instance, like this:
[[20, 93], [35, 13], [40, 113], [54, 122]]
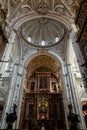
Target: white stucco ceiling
[[28, 16], [43, 32]]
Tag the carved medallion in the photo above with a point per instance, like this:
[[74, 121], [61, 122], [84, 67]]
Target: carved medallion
[[42, 8]]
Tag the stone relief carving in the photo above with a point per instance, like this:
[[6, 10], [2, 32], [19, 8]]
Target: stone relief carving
[[15, 2], [42, 7], [23, 7], [61, 48], [3, 15], [3, 39], [20, 7], [43, 60], [70, 2], [73, 4], [61, 11], [26, 49], [13, 11], [56, 3]]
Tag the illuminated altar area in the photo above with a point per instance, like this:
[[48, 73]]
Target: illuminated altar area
[[43, 97]]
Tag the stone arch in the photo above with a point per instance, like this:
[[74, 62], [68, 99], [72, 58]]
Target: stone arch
[[34, 53], [16, 23], [53, 54]]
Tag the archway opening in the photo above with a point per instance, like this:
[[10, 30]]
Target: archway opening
[[43, 100]]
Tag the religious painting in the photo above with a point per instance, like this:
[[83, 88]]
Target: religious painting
[[43, 82]]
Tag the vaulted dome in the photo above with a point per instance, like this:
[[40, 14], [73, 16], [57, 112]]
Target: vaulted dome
[[43, 32]]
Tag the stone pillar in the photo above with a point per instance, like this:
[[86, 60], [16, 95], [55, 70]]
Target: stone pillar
[[79, 56], [72, 87], [5, 58], [7, 53], [18, 94], [65, 95], [10, 97], [19, 108], [68, 84], [77, 101]]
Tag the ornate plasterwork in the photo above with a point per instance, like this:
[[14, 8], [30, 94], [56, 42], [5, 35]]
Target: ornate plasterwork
[[19, 8], [43, 32], [26, 49], [43, 61], [59, 49], [15, 2], [3, 39], [62, 7], [42, 8]]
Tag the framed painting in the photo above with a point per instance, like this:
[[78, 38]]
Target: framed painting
[[43, 82]]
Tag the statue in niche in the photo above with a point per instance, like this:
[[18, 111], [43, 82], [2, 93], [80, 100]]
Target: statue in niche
[[32, 85], [54, 86], [11, 117], [73, 118]]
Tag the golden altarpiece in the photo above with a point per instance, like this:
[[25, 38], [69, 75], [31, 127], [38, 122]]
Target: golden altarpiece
[[43, 101]]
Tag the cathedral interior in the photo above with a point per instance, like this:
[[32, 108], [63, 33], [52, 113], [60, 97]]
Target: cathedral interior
[[43, 64]]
